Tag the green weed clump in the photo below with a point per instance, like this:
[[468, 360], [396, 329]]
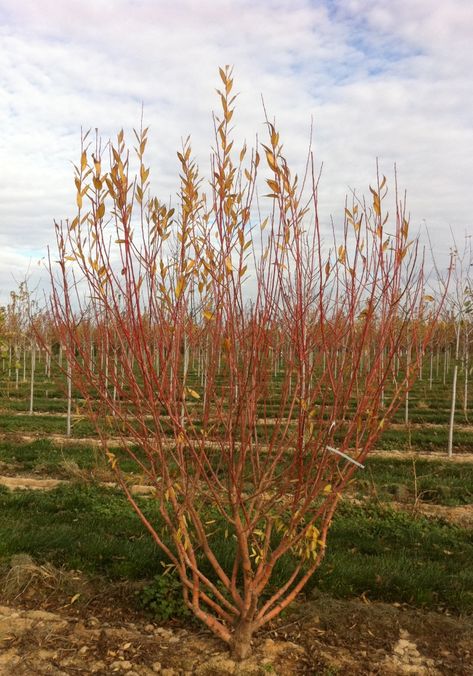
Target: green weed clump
[[163, 598]]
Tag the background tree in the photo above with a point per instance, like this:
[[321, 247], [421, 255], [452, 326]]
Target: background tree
[[459, 309]]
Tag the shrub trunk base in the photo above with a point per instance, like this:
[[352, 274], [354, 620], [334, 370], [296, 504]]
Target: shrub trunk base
[[240, 646]]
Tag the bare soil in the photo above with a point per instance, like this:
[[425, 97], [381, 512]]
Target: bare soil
[[460, 455], [459, 515], [43, 630]]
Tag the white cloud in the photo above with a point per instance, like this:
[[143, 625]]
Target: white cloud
[[388, 80]]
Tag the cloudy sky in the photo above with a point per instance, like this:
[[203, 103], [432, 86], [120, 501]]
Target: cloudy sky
[[387, 79]]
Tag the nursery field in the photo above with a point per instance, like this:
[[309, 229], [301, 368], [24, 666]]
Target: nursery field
[[85, 590]]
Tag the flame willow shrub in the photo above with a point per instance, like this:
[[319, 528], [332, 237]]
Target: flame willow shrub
[[250, 409]]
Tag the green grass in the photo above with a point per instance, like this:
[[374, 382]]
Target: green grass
[[427, 439], [437, 482], [389, 556], [47, 458], [44, 424], [41, 405], [81, 527]]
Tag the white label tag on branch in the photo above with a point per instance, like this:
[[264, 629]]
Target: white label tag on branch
[[344, 455]]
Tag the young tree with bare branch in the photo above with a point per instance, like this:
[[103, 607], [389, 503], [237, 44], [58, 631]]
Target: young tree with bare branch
[[293, 346]]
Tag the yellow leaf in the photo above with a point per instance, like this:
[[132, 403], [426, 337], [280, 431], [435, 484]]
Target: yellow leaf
[[74, 598], [273, 185], [111, 458], [429, 299], [79, 200], [144, 173], [83, 161], [179, 287], [208, 315], [328, 488], [193, 393], [405, 229], [341, 254], [271, 160], [228, 264], [101, 210], [377, 204]]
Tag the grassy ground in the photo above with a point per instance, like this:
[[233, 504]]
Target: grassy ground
[[432, 481], [384, 479], [373, 551], [45, 457]]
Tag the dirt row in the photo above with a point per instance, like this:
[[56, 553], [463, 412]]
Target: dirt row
[[463, 426], [461, 515], [49, 634], [117, 442], [58, 644]]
